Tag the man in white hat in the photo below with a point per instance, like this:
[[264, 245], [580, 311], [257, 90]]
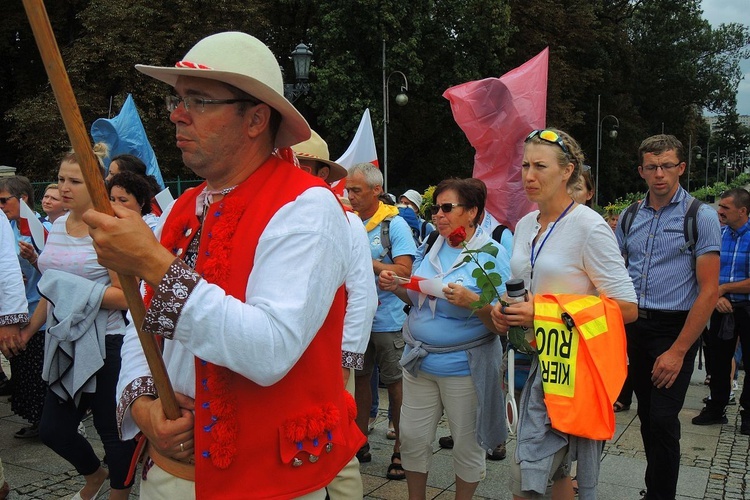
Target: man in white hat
[[246, 288]]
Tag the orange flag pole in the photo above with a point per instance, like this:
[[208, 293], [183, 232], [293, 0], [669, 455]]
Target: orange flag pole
[[71, 115]]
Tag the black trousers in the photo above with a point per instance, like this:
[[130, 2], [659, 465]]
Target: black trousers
[[721, 352], [59, 425], [658, 409]]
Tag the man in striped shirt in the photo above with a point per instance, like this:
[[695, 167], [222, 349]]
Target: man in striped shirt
[[677, 288], [731, 317]]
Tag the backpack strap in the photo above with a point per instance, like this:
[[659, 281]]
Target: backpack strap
[[690, 228], [385, 239], [432, 238], [497, 234], [422, 231], [627, 217]]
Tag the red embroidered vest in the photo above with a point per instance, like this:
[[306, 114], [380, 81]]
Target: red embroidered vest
[[293, 437]]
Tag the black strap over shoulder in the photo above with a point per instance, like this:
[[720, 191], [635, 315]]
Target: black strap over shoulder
[[689, 226], [497, 234], [431, 239]]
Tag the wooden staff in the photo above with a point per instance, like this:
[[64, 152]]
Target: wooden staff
[[71, 115]]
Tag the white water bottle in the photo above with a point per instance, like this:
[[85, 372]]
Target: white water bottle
[[515, 291]]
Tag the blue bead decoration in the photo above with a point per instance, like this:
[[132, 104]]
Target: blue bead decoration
[[207, 428], [315, 442], [299, 445], [206, 454], [214, 418], [204, 362], [217, 214], [205, 405], [330, 436], [204, 382]]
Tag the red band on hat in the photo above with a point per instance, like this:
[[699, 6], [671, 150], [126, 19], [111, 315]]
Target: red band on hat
[[191, 65]]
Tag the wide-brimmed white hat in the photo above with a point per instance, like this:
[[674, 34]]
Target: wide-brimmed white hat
[[243, 61], [315, 148]]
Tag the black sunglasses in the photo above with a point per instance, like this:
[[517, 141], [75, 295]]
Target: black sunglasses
[[5, 199], [445, 207]]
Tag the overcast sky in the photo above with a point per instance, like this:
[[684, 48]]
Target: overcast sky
[[728, 11]]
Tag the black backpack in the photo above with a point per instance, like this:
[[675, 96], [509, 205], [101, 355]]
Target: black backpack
[[689, 227]]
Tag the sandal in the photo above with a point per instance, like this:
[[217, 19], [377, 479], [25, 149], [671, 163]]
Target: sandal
[[618, 407], [364, 455], [395, 470]]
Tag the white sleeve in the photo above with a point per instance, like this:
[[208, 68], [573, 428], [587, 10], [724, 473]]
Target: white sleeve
[[299, 264], [13, 306], [605, 266], [362, 296]]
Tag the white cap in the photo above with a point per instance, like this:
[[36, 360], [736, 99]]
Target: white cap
[[413, 197]]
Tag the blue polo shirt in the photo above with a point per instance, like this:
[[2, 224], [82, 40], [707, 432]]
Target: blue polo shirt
[[659, 265]]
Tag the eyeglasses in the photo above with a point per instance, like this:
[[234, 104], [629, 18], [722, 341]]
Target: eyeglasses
[[199, 103], [445, 207], [4, 200], [664, 166], [549, 136]]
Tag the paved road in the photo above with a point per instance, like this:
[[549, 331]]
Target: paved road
[[714, 460]]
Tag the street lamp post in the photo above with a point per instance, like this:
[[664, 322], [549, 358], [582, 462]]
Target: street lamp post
[[697, 150], [612, 134], [301, 57], [708, 159], [401, 100], [708, 153]]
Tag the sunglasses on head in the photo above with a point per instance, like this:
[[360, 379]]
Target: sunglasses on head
[[549, 136], [4, 200], [445, 207]]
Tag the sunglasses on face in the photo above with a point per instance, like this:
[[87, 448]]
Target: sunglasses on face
[[445, 207], [549, 136], [4, 200]]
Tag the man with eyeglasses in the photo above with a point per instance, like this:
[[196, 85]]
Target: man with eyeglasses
[[247, 290], [677, 287], [392, 248]]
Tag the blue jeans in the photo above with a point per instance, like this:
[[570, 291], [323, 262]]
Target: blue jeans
[[59, 425]]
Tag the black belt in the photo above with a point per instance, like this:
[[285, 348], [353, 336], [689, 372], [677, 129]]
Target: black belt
[[662, 315]]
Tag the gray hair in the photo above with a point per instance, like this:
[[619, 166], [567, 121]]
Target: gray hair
[[372, 174]]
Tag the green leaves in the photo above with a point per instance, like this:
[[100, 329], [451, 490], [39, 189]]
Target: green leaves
[[487, 281]]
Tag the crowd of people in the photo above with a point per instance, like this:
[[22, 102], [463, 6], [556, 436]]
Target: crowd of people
[[278, 305]]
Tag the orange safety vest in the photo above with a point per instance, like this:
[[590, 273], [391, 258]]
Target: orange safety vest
[[583, 361]]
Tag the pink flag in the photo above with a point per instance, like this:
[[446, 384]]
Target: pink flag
[[361, 150], [497, 114]]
